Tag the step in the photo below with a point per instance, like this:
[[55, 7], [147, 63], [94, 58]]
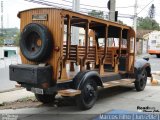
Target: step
[[69, 92], [118, 82]]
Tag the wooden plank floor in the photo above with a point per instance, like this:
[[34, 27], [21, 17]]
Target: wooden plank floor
[[118, 82]]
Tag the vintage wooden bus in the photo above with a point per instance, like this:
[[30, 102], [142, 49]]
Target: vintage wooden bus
[[53, 65]]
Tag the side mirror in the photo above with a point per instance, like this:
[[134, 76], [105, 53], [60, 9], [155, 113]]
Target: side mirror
[[146, 58]]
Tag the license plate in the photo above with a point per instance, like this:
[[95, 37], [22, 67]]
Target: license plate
[[37, 91]]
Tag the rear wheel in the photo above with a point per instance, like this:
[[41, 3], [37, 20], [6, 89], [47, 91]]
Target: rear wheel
[[141, 80], [45, 98], [88, 95]]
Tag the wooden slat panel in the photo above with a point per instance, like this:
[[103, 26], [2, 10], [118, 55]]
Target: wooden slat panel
[[54, 26]]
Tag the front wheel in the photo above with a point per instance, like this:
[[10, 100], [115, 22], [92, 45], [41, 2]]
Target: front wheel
[[141, 80], [88, 95], [45, 98]]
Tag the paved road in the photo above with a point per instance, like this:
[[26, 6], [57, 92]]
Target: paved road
[[6, 84], [155, 63], [119, 98]]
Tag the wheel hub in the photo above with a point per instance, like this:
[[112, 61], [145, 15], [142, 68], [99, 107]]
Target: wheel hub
[[89, 93], [33, 43]]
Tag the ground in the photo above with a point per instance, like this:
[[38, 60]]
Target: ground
[[117, 98]]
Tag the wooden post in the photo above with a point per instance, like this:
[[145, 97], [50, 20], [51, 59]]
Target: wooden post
[[134, 51], [120, 42], [63, 68], [101, 67], [116, 61], [101, 61], [128, 49], [115, 64], [105, 46], [83, 62], [88, 66], [68, 36], [72, 66], [86, 40], [82, 67]]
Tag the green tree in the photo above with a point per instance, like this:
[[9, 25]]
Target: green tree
[[147, 24], [16, 39], [97, 14], [1, 40]]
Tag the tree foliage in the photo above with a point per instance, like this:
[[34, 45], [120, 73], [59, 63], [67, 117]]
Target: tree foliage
[[17, 38], [10, 34], [1, 40], [97, 14], [147, 23]]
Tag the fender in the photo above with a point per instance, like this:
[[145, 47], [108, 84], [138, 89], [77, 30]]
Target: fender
[[141, 64], [81, 77]]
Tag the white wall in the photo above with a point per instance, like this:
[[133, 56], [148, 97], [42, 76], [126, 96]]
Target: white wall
[[145, 45], [6, 48], [154, 36], [1, 53]]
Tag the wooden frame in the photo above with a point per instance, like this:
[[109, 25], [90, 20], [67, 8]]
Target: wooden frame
[[85, 55]]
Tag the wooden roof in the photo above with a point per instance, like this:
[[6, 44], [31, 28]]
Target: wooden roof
[[80, 15], [97, 24]]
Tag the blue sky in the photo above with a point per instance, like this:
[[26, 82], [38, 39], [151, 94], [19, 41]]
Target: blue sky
[[12, 7]]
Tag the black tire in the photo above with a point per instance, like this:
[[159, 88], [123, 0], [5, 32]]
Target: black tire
[[35, 42], [141, 80], [158, 55], [88, 95], [45, 99]]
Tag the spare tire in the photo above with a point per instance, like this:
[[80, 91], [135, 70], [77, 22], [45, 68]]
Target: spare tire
[[35, 42]]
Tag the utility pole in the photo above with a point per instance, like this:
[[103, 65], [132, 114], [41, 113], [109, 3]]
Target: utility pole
[[75, 31], [135, 20], [135, 16], [1, 18], [112, 10]]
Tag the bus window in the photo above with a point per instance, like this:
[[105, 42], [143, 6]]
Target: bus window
[[101, 42], [132, 45], [91, 42], [116, 42], [124, 43], [111, 42]]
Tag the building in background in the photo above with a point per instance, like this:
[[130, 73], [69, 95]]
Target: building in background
[[8, 42], [8, 51], [142, 41], [81, 36], [153, 43]]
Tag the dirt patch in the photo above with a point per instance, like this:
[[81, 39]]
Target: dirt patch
[[31, 102], [22, 103]]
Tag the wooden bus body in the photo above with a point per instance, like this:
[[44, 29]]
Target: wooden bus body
[[52, 64]]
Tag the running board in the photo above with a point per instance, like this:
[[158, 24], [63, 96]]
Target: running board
[[69, 92], [118, 82], [73, 92]]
